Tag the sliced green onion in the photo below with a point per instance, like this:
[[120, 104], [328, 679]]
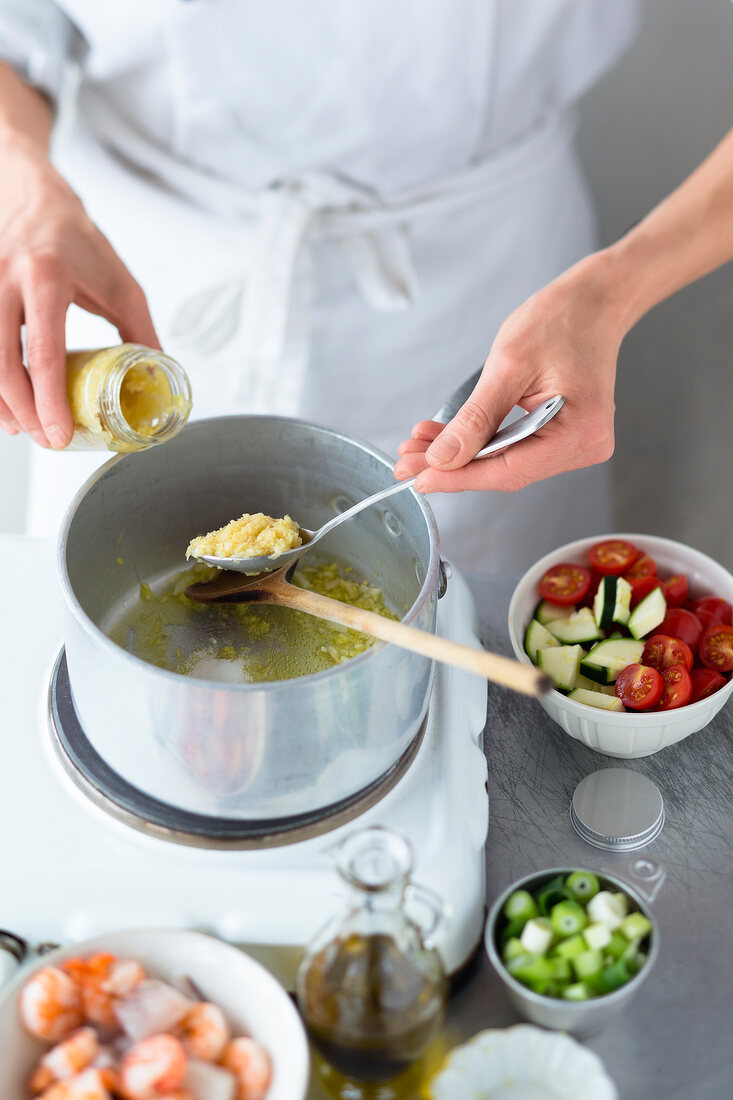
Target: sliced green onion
[[578, 991], [582, 885], [512, 949], [597, 935], [587, 965], [520, 906], [537, 936], [510, 929], [575, 945], [568, 918], [551, 894], [561, 971], [534, 971], [616, 945], [635, 926], [612, 977]]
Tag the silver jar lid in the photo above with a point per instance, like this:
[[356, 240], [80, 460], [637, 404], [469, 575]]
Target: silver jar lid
[[617, 809]]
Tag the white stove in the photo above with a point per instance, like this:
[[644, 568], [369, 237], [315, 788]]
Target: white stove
[[70, 870]]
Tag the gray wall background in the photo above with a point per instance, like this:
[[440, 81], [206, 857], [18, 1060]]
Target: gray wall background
[[643, 129]]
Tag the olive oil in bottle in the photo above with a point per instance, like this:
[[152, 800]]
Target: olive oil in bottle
[[371, 987]]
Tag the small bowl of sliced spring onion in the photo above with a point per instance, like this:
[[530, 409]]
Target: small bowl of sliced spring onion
[[571, 947], [601, 644]]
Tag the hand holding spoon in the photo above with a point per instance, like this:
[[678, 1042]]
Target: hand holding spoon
[[520, 429]]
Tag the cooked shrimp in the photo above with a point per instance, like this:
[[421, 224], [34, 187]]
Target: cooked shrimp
[[89, 1085], [250, 1063], [51, 1004], [153, 1067], [204, 1031], [102, 979], [66, 1059]]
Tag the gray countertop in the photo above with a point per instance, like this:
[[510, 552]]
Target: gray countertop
[[674, 1039]]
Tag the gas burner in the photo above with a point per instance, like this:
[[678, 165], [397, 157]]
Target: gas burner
[[131, 806]]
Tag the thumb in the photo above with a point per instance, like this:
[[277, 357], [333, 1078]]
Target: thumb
[[473, 425]]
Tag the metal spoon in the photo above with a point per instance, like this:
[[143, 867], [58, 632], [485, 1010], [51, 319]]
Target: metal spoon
[[275, 588], [525, 426]]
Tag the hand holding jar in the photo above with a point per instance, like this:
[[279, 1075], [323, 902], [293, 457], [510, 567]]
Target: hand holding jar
[[51, 254]]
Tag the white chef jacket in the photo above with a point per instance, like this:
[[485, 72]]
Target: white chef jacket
[[333, 206]]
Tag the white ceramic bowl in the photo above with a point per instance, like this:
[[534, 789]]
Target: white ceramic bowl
[[522, 1061], [253, 1001], [628, 734]]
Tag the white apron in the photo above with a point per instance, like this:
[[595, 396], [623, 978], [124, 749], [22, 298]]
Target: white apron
[[356, 266]]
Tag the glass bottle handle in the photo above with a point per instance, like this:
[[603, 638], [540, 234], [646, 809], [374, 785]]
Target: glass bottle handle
[[432, 923]]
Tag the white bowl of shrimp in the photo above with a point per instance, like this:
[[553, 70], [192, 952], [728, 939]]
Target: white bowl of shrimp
[[150, 1014]]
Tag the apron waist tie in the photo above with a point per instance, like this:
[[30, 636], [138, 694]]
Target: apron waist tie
[[262, 314]]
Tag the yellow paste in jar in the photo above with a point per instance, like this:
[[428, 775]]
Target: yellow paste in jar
[[251, 536], [145, 400]]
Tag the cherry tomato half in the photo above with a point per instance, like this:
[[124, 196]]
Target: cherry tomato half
[[639, 687], [706, 681], [719, 607], [677, 690], [662, 652], [682, 624], [565, 583], [642, 586], [644, 566], [716, 647], [675, 590], [614, 556], [707, 618]]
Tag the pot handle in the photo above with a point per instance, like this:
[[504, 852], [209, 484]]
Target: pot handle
[[647, 875]]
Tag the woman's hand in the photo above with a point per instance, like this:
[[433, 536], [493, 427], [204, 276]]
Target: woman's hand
[[563, 340], [51, 254]]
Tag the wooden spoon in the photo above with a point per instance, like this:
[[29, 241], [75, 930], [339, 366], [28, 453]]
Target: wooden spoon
[[275, 588]]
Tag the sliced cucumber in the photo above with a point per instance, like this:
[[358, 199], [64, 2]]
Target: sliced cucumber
[[538, 637], [596, 699], [587, 684], [613, 654], [578, 627], [561, 664], [602, 677], [648, 614], [612, 602], [545, 612]]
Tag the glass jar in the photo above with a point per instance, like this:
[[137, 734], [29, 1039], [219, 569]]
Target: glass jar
[[125, 398], [371, 986]]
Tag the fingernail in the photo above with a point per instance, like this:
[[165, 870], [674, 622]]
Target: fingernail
[[57, 437], [39, 438], [444, 448]]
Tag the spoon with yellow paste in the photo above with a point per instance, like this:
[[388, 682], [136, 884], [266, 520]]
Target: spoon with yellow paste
[[258, 543]]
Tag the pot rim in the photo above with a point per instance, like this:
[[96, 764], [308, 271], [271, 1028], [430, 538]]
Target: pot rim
[[100, 638]]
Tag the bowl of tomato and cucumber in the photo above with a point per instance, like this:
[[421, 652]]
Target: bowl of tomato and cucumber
[[636, 634], [571, 946]]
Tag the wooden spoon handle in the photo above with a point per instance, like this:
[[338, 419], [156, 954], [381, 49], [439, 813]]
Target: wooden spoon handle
[[492, 666]]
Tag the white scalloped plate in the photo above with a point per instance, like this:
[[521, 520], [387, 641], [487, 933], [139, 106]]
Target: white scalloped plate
[[523, 1063]]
